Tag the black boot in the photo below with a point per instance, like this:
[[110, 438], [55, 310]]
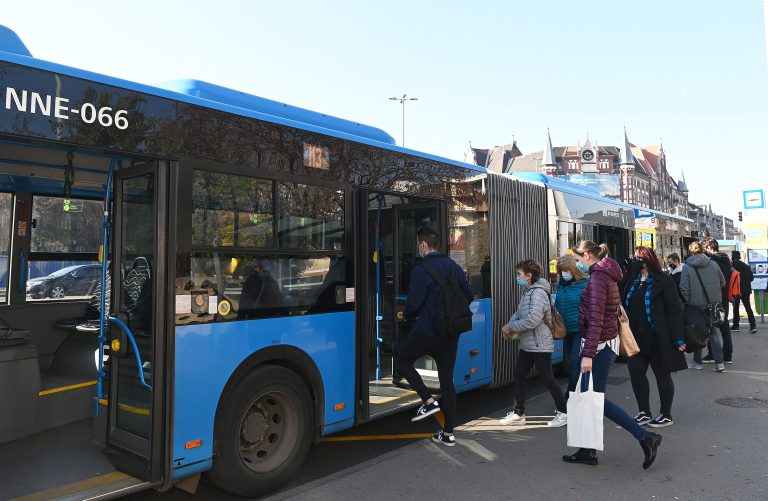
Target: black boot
[[650, 445], [583, 456]]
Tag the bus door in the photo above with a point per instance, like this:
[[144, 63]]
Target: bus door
[[391, 227], [408, 219], [134, 348], [617, 240]]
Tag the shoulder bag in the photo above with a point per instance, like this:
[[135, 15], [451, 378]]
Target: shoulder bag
[[715, 312], [627, 343]]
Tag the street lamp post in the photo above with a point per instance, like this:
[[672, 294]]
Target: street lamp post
[[402, 102]]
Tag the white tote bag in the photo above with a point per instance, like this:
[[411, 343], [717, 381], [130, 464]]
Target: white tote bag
[[585, 417]]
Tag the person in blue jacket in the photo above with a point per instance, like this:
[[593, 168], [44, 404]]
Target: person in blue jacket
[[572, 279]]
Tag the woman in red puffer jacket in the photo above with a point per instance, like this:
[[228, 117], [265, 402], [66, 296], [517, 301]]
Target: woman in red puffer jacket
[[598, 324]]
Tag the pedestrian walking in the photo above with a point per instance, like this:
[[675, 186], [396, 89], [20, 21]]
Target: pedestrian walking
[[529, 325], [598, 324], [745, 276], [570, 284], [656, 318], [674, 268], [712, 250], [426, 338], [701, 284]]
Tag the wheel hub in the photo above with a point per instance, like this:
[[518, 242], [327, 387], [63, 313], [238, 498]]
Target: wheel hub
[[255, 426]]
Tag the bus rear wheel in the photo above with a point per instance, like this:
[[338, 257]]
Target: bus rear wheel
[[263, 432]]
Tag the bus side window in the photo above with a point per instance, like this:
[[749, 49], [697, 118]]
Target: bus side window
[[63, 255]]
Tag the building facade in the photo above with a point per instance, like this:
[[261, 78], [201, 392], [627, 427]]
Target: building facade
[[632, 174]]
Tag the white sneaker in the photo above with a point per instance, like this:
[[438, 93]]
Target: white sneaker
[[694, 365], [512, 419], [561, 419]]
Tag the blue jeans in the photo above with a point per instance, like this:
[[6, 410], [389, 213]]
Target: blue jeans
[[601, 365], [715, 346], [572, 349]]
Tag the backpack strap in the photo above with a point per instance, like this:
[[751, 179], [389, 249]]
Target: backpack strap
[[704, 289], [441, 281]]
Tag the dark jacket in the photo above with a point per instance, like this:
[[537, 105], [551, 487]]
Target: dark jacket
[[667, 315], [567, 302], [746, 276], [598, 310], [711, 277], [424, 294], [724, 262]]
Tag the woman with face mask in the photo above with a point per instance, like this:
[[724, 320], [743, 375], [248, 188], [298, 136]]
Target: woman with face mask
[[656, 317], [529, 325], [571, 283], [598, 325]]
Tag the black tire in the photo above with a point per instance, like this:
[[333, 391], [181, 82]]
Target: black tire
[[263, 432]]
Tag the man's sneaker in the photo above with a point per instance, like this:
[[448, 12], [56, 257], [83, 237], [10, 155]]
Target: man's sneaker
[[425, 411], [708, 359], [728, 361], [512, 419], [642, 418], [694, 365], [561, 419], [661, 421], [734, 327], [719, 368], [753, 330], [441, 438]]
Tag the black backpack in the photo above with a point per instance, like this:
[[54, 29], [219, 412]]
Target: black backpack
[[453, 314]]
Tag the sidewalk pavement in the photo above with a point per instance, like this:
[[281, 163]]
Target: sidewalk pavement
[[712, 452]]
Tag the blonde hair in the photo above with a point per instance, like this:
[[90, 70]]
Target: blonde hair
[[599, 251], [568, 263], [695, 248]]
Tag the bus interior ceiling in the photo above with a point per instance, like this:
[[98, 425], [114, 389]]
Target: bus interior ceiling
[[47, 367]]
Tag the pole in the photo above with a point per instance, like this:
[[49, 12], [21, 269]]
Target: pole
[[762, 307], [403, 103]]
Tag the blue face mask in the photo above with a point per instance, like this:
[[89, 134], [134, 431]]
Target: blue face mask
[[521, 282], [567, 275], [582, 267]]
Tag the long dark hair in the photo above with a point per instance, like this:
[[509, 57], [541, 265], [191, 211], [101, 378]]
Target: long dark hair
[[649, 257]]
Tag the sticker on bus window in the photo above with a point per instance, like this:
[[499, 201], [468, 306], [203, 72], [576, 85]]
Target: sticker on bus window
[[350, 294], [213, 305], [183, 304]]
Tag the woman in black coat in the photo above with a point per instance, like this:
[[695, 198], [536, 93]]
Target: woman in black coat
[[655, 315]]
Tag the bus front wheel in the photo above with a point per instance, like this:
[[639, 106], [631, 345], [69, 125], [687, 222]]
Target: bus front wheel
[[263, 432]]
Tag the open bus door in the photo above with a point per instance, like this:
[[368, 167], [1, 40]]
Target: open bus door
[[390, 229], [134, 351]]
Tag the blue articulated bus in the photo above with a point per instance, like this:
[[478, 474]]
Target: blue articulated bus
[[196, 280]]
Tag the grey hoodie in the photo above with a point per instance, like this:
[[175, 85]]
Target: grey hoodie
[[711, 276], [528, 320]]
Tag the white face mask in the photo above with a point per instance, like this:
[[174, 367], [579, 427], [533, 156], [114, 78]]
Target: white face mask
[[567, 275]]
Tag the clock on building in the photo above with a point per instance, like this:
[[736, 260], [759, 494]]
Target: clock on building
[[587, 155]]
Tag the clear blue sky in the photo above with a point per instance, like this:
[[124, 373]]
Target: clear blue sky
[[690, 71]]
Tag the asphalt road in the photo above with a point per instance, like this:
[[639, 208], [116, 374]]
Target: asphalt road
[[326, 459]]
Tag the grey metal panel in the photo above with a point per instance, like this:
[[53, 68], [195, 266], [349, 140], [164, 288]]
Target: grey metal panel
[[518, 214]]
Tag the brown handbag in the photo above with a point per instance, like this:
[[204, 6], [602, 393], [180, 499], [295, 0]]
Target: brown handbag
[[628, 345], [556, 325]]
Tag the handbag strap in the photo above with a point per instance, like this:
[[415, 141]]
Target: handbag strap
[[704, 289], [590, 386]]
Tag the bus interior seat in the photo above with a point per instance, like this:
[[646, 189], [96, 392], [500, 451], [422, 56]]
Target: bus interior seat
[[90, 321], [11, 336]]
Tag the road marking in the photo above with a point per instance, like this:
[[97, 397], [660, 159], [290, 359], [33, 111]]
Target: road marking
[[363, 438], [75, 487]]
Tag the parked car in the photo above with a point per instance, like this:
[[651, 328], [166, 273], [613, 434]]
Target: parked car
[[78, 280]]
